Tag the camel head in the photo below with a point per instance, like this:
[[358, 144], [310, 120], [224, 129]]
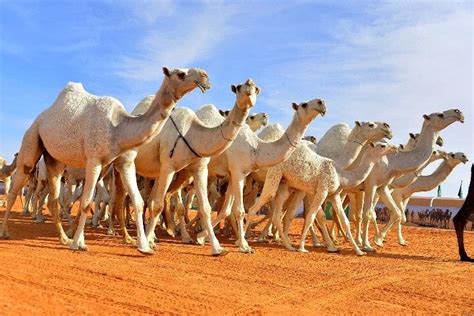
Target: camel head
[[224, 113], [442, 120], [455, 159], [260, 119], [380, 149], [374, 131], [307, 111], [246, 94], [310, 139], [184, 80]]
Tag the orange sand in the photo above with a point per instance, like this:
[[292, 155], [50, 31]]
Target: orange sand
[[40, 276]]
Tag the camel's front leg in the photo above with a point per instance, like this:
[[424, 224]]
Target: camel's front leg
[[295, 199], [126, 167], [185, 238], [117, 200], [369, 195], [237, 185], [338, 209]]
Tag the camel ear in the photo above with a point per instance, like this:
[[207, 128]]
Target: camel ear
[[295, 106], [401, 146], [181, 75], [166, 71], [227, 113], [426, 117], [372, 144], [233, 88], [412, 135], [221, 112], [257, 90], [358, 123]]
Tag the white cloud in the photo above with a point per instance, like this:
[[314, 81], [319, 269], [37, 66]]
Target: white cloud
[[191, 39], [394, 67]]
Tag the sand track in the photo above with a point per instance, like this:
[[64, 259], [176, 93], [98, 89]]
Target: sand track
[[40, 276]]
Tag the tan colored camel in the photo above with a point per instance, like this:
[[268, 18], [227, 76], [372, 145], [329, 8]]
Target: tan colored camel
[[86, 131], [6, 171]]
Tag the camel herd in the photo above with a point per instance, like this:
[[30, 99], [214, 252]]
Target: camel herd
[[159, 157]]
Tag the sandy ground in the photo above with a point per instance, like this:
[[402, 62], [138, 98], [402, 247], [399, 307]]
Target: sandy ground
[[42, 277]]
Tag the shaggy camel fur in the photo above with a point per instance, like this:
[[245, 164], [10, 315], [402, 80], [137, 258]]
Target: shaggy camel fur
[[321, 179], [86, 131]]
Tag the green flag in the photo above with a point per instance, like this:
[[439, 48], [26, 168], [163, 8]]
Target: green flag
[[460, 195], [439, 190]]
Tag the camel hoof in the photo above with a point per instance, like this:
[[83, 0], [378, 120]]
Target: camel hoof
[[171, 232], [201, 238], [146, 251], [361, 253], [188, 241], [333, 250], [369, 249], [302, 250], [246, 249], [318, 245], [378, 240], [222, 252], [111, 232], [78, 247], [65, 241], [130, 241], [151, 244], [403, 243]]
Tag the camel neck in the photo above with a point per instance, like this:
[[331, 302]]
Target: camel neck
[[429, 182], [272, 153], [407, 161], [354, 177], [214, 140], [352, 150], [133, 131]]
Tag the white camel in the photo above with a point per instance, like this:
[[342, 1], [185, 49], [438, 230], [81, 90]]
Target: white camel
[[6, 171], [426, 183], [187, 142], [249, 153], [320, 178], [393, 166], [86, 131]]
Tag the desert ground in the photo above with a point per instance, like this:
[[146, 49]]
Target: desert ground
[[39, 276]]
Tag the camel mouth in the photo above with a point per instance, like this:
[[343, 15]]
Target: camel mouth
[[322, 112], [388, 136], [201, 86]]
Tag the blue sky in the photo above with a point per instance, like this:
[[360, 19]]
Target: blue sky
[[370, 60]]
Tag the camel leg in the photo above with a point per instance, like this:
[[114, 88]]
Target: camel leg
[[461, 218], [281, 196], [117, 201], [369, 195], [200, 180], [266, 230], [158, 200], [291, 206], [330, 247], [237, 186], [395, 217], [93, 170], [356, 208], [185, 238], [41, 201], [54, 169], [337, 206], [314, 237], [314, 202]]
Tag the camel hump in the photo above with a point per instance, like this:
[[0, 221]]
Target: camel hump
[[74, 86], [209, 115], [271, 132], [143, 105]]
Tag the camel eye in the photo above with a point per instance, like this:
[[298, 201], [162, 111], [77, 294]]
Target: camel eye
[[457, 111], [386, 125], [320, 102], [441, 115], [371, 125]]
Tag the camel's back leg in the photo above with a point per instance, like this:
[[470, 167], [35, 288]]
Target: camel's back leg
[[54, 170], [29, 154], [461, 218]]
